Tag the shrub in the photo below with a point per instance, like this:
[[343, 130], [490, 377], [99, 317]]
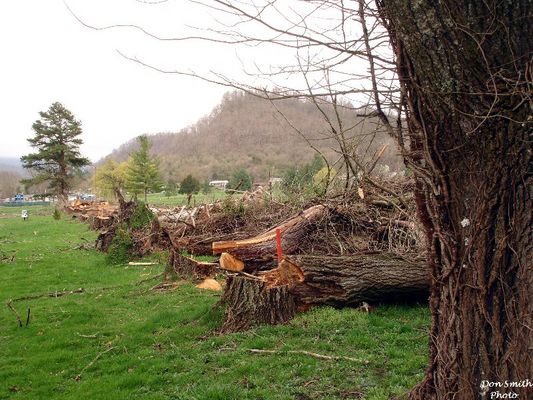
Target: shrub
[[233, 207], [240, 180], [119, 251], [57, 214], [190, 185], [141, 216]]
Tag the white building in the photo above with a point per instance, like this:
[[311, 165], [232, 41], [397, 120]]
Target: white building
[[219, 184]]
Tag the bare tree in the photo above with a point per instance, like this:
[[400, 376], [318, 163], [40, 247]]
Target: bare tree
[[452, 82]]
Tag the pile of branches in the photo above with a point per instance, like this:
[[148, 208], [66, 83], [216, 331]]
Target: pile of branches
[[364, 221], [193, 230], [281, 258], [133, 230], [364, 248]]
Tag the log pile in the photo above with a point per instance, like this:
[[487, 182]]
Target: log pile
[[98, 214], [280, 259], [367, 249], [299, 281]]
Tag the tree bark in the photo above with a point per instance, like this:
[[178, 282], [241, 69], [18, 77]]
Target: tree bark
[[189, 268], [250, 302], [263, 246], [299, 282], [349, 280], [466, 73]]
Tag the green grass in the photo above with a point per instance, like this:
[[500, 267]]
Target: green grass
[[128, 342], [160, 199]]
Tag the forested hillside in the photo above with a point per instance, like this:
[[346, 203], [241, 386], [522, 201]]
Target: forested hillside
[[11, 172], [245, 131]]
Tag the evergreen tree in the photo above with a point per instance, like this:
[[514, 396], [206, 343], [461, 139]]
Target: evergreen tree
[[171, 187], [142, 175], [190, 185], [240, 180], [58, 158]]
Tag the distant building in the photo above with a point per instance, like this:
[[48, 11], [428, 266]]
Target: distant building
[[219, 184]]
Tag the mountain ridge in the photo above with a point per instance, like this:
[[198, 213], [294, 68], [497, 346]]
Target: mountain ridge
[[265, 138]]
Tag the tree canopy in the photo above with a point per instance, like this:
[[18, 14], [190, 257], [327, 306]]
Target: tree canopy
[[111, 177], [57, 159]]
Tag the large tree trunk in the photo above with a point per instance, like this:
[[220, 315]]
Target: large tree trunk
[[250, 302], [299, 282], [466, 73], [350, 280]]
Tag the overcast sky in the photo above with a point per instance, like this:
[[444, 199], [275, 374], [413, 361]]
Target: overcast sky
[[47, 56]]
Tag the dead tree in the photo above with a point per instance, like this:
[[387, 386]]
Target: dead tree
[[273, 296]]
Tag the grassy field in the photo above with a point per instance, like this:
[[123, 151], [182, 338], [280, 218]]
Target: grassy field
[[120, 340]]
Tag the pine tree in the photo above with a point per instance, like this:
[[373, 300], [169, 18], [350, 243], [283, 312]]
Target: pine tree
[[240, 180], [143, 173], [189, 185], [58, 158]]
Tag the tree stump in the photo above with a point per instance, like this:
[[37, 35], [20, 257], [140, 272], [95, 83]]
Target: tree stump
[[249, 302], [104, 239]]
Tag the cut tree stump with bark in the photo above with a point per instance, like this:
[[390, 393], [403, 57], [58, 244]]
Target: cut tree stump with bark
[[263, 246], [249, 302], [104, 239]]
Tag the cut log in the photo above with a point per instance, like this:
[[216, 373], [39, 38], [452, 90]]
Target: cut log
[[210, 284], [350, 280], [300, 282], [263, 246], [249, 302], [187, 268], [230, 263]]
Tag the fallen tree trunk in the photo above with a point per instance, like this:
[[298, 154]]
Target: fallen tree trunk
[[350, 280], [293, 232], [197, 245], [299, 282]]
